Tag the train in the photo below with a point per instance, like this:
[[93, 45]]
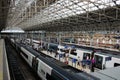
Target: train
[[104, 59], [48, 68], [36, 44], [52, 47], [33, 43]]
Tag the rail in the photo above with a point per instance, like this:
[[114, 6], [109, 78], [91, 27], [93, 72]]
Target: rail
[[14, 68]]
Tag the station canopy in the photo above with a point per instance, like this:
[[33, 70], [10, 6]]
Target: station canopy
[[13, 30], [65, 15]]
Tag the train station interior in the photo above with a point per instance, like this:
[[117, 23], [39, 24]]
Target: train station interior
[[59, 39]]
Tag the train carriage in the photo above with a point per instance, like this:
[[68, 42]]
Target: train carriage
[[50, 69]]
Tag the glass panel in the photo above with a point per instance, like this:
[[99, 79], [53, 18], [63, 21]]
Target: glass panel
[[99, 60], [118, 2]]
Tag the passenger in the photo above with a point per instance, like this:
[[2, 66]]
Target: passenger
[[88, 62], [83, 63], [64, 55], [66, 58], [56, 54], [32, 46], [51, 52], [79, 61], [47, 51], [87, 58], [93, 64]]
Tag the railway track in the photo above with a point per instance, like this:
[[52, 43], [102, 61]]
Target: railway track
[[19, 69]]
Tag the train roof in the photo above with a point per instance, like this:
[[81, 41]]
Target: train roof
[[110, 55], [101, 51], [53, 44], [29, 49], [62, 68], [84, 50]]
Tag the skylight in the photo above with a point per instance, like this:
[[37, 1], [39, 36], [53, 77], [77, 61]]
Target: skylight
[[66, 8]]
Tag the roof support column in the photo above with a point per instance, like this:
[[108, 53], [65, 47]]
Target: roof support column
[[29, 11], [60, 37], [91, 34], [116, 13], [35, 7]]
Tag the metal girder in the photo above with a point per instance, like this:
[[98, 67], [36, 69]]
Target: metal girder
[[4, 7], [37, 15]]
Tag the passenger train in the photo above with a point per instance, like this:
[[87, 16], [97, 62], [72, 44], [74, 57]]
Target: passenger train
[[104, 59], [48, 68], [34, 43]]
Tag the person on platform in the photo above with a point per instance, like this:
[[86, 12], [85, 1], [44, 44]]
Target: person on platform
[[79, 61], [92, 64], [92, 61]]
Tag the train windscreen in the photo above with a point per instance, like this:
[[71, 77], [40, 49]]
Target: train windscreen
[[66, 51], [53, 47], [85, 55], [73, 52], [62, 50], [99, 60]]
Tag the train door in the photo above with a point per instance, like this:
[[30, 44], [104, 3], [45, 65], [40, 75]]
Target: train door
[[99, 62], [35, 64]]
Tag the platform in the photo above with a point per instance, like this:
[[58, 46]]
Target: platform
[[1, 59], [4, 70]]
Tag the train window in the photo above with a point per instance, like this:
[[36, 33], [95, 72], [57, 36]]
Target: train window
[[43, 72], [25, 55], [66, 51], [99, 60], [61, 50], [85, 56], [73, 53], [116, 64], [108, 58], [53, 47]]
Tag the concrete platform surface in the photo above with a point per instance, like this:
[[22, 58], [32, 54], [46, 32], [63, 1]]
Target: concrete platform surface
[[1, 59]]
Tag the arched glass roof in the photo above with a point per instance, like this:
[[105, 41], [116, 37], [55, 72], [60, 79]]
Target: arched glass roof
[[61, 9]]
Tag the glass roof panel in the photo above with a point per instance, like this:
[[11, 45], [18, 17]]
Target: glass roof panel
[[77, 7], [93, 8], [80, 4], [82, 11], [118, 2], [85, 7], [66, 8], [91, 5]]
